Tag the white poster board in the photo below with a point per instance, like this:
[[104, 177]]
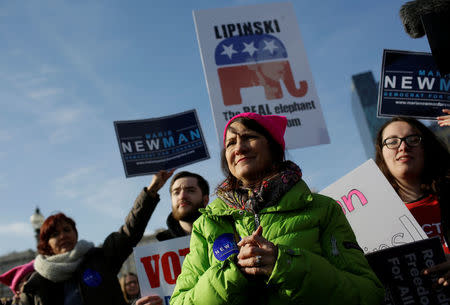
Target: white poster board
[[254, 61], [377, 215], [158, 265]]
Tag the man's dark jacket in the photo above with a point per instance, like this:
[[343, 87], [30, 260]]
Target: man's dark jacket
[[174, 230], [105, 262]]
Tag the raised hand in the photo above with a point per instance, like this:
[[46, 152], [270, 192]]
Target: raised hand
[[444, 120], [159, 180]]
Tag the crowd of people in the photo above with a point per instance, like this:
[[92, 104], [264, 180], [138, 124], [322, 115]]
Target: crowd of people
[[284, 244]]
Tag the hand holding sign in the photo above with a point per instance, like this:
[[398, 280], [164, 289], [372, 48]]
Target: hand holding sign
[[444, 279], [257, 255], [159, 180], [444, 120], [158, 266], [148, 146], [150, 300]]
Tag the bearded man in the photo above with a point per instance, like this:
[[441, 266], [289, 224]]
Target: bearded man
[[189, 192]]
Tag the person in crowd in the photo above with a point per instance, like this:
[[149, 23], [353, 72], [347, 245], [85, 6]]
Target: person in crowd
[[6, 301], [417, 165], [266, 239], [189, 192], [73, 271], [130, 287], [16, 278], [444, 120]]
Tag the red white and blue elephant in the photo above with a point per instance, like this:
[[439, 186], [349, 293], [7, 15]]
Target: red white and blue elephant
[[257, 60]]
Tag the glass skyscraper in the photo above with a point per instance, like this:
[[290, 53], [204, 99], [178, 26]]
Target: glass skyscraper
[[364, 107]]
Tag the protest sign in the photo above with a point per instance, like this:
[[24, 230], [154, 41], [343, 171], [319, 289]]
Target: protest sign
[[399, 269], [254, 61], [158, 265], [148, 146], [376, 214], [411, 85]]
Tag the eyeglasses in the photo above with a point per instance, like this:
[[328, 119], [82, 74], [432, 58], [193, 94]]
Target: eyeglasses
[[395, 142]]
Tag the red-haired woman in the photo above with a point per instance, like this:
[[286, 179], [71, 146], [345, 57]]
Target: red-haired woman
[[72, 271]]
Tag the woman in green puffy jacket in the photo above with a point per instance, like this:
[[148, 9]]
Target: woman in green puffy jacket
[[267, 239]]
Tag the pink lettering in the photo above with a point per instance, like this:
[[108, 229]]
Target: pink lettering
[[348, 199]]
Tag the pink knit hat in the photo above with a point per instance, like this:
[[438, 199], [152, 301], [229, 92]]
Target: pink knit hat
[[274, 124], [12, 277]]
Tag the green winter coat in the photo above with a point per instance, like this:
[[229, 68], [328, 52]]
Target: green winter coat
[[318, 258]]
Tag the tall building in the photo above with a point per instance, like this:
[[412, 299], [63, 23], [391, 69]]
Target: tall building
[[364, 107], [443, 133]]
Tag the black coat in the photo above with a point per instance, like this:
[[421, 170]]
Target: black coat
[[174, 230], [97, 274], [444, 204]]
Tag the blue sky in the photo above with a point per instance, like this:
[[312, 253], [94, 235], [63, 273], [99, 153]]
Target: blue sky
[[70, 68]]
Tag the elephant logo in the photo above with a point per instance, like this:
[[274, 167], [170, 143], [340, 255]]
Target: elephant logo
[[257, 60]]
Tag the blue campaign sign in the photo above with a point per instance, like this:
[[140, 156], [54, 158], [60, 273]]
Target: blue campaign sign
[[148, 146], [411, 85]]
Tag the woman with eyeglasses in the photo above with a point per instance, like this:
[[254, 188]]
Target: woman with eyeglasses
[[129, 284], [417, 165]]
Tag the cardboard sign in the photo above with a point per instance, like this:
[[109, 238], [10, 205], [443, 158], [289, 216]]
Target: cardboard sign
[[148, 146], [158, 265], [411, 85], [254, 61], [399, 269], [376, 214]]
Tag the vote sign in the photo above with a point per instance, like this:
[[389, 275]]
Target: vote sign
[[158, 265]]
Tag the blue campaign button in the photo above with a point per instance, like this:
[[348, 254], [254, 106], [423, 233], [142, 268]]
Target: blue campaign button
[[92, 278], [224, 246]]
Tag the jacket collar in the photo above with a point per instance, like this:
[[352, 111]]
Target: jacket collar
[[298, 197], [174, 226]]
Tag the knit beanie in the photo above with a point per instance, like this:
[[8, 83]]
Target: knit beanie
[[274, 124], [12, 277]]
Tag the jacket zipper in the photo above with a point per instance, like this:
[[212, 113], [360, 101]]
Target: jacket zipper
[[334, 248], [256, 221]]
